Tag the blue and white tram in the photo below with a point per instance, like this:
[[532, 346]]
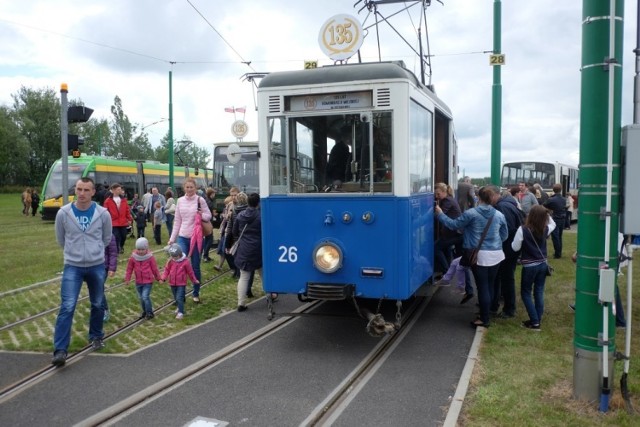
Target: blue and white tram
[[366, 232]]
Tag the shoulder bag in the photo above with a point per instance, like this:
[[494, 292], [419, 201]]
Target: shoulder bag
[[550, 269], [470, 256], [207, 226], [234, 247]]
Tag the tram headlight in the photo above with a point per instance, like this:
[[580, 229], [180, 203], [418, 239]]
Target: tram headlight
[[327, 257]]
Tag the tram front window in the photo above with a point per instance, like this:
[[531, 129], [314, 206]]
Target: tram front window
[[54, 185], [332, 152]]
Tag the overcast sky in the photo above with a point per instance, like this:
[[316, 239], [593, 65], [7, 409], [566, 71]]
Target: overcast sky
[[127, 48]]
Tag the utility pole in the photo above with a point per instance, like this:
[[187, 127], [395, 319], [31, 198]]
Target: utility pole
[[64, 140], [171, 134], [496, 61], [599, 198]]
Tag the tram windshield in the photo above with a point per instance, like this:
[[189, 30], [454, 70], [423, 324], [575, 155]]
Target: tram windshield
[[330, 153], [54, 184], [242, 174]]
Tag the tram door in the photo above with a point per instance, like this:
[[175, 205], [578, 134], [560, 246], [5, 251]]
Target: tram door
[[441, 151], [140, 187]]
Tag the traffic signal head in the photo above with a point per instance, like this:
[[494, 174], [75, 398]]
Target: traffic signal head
[[78, 114], [73, 144]]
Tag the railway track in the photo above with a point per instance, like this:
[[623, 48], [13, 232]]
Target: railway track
[[41, 374], [51, 310], [323, 414], [119, 410]]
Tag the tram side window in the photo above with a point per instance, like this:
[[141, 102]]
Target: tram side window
[[420, 151], [277, 167]]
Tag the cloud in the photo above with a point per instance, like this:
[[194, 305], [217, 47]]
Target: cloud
[[125, 48]]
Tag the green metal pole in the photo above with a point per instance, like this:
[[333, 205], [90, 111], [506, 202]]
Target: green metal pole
[[599, 165], [496, 95], [171, 135], [64, 141]]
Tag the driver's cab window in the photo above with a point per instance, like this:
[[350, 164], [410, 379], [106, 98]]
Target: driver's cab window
[[331, 153]]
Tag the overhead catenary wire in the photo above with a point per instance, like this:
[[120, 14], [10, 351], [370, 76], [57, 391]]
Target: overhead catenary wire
[[242, 60]]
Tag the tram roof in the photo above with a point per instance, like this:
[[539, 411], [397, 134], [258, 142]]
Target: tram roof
[[339, 73], [345, 73]]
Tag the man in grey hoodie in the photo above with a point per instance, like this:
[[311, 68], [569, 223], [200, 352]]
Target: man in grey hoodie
[[83, 230]]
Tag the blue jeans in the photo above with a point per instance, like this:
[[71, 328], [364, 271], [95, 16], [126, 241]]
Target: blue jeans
[[206, 246], [505, 285], [485, 278], [533, 278], [178, 295], [184, 243], [72, 278], [442, 251], [144, 293], [556, 239], [169, 223], [468, 289]]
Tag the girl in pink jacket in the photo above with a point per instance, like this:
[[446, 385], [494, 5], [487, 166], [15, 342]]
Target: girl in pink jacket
[[143, 264], [176, 272]]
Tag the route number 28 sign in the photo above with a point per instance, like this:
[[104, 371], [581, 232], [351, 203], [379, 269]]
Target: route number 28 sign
[[341, 37]]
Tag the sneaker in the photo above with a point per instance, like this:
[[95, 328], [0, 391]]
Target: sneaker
[[59, 358], [149, 316], [206, 259], [242, 308], [249, 294], [196, 300], [466, 298], [217, 268], [106, 316], [97, 343], [176, 311], [142, 315], [442, 282], [534, 327], [179, 316]]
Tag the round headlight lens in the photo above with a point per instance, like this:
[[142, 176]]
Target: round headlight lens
[[327, 257]]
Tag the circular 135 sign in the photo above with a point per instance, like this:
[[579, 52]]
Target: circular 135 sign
[[239, 129], [340, 37]]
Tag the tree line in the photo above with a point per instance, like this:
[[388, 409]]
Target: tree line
[[30, 138]]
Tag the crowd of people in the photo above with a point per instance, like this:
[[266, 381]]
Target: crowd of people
[[483, 236], [92, 232], [491, 237]]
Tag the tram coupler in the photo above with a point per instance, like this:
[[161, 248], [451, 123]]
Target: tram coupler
[[377, 326]]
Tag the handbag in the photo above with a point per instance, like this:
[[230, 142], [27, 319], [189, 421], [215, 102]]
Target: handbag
[[550, 268], [207, 226], [470, 256], [234, 247]]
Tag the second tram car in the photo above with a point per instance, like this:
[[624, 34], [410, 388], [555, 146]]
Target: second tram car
[[135, 177], [228, 173], [350, 154]]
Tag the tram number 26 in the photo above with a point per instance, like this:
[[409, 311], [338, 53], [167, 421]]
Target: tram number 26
[[288, 254]]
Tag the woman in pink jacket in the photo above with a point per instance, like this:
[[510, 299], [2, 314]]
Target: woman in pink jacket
[[191, 210], [176, 272]]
